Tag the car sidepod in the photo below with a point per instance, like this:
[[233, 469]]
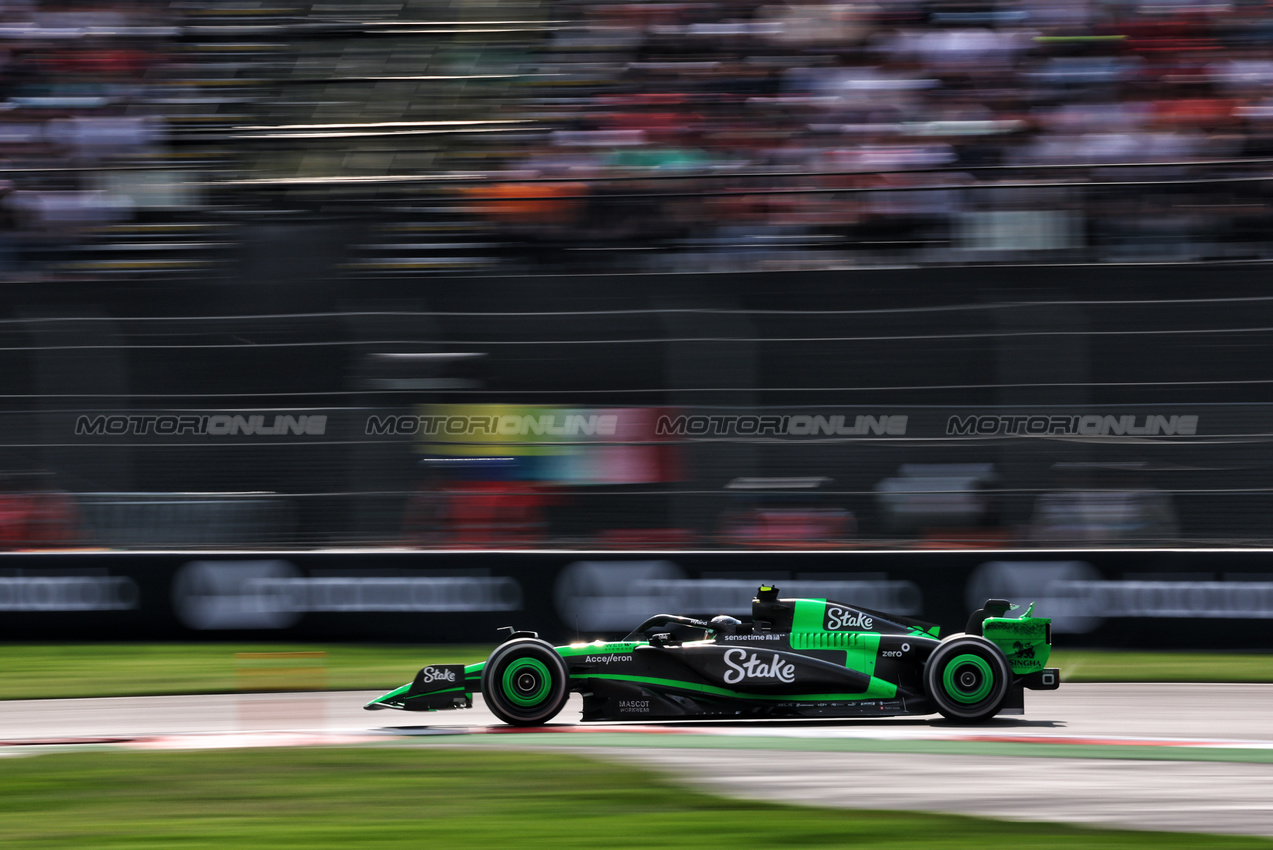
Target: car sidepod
[[753, 675]]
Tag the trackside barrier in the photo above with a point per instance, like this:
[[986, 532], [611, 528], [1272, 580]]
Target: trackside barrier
[[1221, 599]]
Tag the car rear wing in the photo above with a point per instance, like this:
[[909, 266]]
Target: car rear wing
[[1025, 640]]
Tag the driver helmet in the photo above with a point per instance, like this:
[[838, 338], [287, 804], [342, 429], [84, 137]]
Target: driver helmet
[[725, 624]]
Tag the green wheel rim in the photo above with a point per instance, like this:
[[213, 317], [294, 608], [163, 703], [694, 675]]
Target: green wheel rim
[[968, 678], [526, 682]]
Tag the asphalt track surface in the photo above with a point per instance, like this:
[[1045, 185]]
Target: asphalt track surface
[[1195, 758]]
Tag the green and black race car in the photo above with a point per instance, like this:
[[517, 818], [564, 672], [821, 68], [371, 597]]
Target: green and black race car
[[796, 658]]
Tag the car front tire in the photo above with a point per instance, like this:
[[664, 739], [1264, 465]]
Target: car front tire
[[525, 682]]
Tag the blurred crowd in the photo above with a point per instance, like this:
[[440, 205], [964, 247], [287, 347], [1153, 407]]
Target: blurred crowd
[[716, 134], [81, 105], [908, 104]]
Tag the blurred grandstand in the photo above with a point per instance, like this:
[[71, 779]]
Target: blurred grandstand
[[144, 137], [388, 208]]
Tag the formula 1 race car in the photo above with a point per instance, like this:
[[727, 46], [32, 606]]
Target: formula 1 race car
[[796, 658]]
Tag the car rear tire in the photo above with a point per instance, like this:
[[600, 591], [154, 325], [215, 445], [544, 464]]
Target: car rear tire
[[525, 682], [967, 678]]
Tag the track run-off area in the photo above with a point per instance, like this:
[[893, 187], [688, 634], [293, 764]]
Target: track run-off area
[[1177, 757]]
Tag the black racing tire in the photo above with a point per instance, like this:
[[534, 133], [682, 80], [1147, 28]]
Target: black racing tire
[[967, 677], [525, 682]]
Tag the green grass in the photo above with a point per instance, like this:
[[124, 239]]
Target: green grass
[[374, 798], [31, 671], [39, 671], [1090, 665]]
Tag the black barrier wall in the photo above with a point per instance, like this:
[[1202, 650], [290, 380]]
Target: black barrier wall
[[1112, 599]]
